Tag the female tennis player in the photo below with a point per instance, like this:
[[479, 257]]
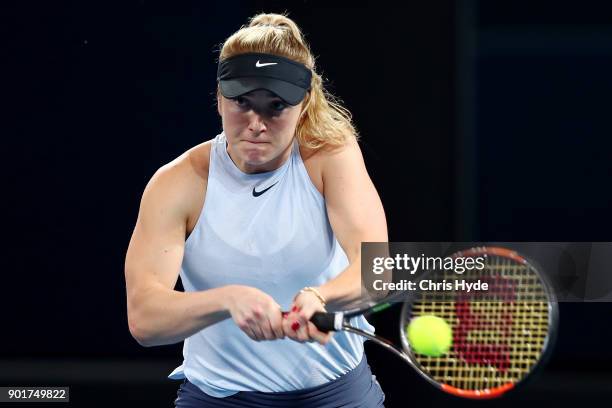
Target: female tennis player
[[267, 216]]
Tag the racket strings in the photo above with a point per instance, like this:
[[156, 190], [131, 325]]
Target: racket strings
[[498, 334]]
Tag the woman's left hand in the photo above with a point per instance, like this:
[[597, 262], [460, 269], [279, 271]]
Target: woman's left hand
[[297, 325]]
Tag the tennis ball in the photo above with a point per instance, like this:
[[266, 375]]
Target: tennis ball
[[429, 335]]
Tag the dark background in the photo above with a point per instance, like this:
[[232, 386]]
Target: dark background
[[480, 120]]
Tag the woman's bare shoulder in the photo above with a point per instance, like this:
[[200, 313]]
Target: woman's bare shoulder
[[181, 176], [321, 156], [316, 160], [326, 152], [179, 187], [198, 158]]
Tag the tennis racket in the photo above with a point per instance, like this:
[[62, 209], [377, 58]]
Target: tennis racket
[[500, 336]]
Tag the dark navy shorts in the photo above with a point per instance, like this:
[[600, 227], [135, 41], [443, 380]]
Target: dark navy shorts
[[356, 389]]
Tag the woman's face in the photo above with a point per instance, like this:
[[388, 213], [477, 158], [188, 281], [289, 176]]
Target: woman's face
[[259, 127]]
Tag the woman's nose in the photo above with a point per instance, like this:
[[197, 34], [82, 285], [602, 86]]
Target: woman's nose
[[256, 122]]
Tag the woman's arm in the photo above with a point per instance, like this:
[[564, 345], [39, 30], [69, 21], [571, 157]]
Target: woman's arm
[[356, 215], [157, 314]]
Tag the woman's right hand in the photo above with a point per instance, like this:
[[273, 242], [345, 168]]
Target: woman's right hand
[[255, 313]]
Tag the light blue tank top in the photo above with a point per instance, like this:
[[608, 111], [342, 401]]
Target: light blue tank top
[[278, 241]]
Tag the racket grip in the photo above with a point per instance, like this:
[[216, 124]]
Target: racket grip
[[324, 321]]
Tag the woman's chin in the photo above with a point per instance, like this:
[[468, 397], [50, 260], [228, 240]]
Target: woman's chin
[[255, 158], [254, 154], [255, 163]]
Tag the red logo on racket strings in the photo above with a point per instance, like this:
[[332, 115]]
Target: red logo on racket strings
[[500, 323]]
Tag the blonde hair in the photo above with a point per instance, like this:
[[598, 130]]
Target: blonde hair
[[323, 120]]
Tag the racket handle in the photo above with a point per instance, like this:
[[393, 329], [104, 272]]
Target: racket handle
[[324, 321]]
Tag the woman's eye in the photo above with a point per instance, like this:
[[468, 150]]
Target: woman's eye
[[279, 106], [240, 101]]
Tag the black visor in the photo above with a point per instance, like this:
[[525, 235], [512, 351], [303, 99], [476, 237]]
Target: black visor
[[244, 73]]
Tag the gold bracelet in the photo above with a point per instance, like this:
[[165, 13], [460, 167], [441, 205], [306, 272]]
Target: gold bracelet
[[315, 292]]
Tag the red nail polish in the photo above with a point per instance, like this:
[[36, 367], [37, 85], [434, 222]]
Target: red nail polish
[[295, 308], [295, 326]]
